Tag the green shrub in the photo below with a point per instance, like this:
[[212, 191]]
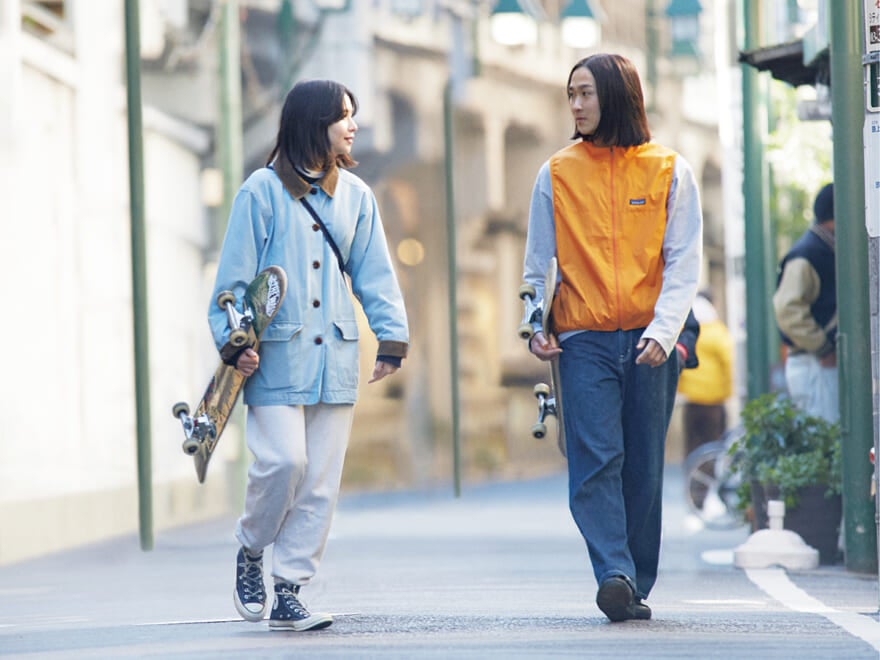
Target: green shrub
[[784, 447]]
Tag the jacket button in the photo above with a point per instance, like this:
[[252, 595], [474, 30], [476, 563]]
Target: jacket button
[[314, 191], [319, 341], [316, 303], [316, 227], [316, 264]]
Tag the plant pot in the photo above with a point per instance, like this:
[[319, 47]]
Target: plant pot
[[816, 518]]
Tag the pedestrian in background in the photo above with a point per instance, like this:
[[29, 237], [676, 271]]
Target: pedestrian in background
[[622, 215], [303, 385], [708, 386], [805, 304]]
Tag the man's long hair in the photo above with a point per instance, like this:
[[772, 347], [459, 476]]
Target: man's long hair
[[623, 121]]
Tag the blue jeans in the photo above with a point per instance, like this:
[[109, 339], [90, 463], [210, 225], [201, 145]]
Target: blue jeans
[[616, 417]]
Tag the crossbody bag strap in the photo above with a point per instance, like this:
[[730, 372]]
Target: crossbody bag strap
[[326, 233]]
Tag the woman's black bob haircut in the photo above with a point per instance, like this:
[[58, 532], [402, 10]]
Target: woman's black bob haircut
[[309, 109], [623, 121]]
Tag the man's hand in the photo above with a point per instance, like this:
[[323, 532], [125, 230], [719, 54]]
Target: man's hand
[[829, 360], [381, 370], [651, 353], [546, 349], [248, 362]]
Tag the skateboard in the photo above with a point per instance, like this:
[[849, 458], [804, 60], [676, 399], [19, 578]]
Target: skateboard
[[202, 430], [549, 396]]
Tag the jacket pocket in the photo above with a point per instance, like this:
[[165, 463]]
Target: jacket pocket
[[342, 355], [281, 331], [348, 330]]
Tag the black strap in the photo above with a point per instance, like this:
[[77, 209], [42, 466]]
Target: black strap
[[326, 232]]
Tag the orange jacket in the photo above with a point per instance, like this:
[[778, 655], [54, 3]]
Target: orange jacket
[[609, 206]]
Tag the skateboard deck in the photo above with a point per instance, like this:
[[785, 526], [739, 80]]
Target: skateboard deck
[[549, 397], [202, 429]]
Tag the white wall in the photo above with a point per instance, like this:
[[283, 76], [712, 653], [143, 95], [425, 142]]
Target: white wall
[[67, 407]]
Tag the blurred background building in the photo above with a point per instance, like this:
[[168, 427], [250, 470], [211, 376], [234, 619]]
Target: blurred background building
[[68, 470]]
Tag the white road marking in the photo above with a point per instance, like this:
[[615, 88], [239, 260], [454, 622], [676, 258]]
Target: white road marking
[[775, 583]]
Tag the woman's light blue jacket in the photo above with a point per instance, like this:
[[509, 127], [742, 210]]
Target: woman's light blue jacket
[[309, 353]]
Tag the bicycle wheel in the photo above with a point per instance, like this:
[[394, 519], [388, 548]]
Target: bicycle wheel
[[710, 484]]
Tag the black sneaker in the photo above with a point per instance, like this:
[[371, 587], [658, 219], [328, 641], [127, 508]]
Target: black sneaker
[[250, 592], [289, 613], [617, 600], [640, 610]]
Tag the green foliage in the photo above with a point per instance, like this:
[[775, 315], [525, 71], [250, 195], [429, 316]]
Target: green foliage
[[799, 154], [785, 447]]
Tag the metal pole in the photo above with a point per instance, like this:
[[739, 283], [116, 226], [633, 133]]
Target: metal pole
[[453, 295], [851, 247], [651, 48], [230, 147], [871, 64], [139, 271], [757, 226], [230, 137]]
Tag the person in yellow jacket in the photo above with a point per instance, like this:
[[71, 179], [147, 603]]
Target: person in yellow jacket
[[707, 387], [622, 215]]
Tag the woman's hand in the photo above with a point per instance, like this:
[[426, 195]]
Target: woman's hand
[[546, 349], [381, 370], [248, 362]]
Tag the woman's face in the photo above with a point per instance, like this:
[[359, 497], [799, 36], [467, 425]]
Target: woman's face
[[584, 101], [341, 133]]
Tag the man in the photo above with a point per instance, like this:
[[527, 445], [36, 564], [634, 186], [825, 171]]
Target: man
[[805, 304], [622, 215]]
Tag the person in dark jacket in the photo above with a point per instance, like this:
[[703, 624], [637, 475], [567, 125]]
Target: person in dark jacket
[[805, 304]]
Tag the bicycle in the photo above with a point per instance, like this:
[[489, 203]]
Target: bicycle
[[711, 484]]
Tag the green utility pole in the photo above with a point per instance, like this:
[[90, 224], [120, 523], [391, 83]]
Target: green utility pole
[[139, 271], [758, 236], [851, 248], [230, 147], [230, 122], [448, 147]]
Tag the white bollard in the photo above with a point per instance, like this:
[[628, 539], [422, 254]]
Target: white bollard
[[776, 546]]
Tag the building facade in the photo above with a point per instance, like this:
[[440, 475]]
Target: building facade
[[67, 454]]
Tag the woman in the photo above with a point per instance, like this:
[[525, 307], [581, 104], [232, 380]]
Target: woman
[[622, 215], [303, 385]]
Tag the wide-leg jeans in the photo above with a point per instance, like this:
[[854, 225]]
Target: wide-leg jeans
[[616, 417]]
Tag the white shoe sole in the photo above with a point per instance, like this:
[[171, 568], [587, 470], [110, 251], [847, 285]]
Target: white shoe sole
[[245, 613], [314, 622]]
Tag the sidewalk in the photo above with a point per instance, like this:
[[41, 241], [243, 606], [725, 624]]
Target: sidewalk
[[498, 572]]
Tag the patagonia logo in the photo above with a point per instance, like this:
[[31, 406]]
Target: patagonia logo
[[637, 202]]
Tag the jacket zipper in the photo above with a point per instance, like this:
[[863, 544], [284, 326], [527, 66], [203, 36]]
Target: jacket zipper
[[614, 240]]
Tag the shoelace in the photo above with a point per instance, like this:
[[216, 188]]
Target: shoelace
[[252, 579], [292, 603]]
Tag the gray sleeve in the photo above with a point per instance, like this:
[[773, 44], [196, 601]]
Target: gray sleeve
[[682, 254], [541, 238]]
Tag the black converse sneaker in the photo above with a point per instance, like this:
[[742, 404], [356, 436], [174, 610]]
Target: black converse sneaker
[[289, 613], [250, 592]]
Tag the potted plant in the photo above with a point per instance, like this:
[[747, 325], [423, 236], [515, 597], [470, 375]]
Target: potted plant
[[789, 455]]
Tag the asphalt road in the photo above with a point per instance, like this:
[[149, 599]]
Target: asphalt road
[[500, 572]]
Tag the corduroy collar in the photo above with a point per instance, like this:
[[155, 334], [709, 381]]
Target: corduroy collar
[[299, 187]]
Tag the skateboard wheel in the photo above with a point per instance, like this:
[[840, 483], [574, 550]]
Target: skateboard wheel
[[539, 430], [225, 297], [526, 291], [525, 331], [190, 446], [238, 338], [541, 390], [180, 408]]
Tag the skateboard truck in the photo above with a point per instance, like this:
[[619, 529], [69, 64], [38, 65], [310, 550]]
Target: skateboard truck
[[240, 326], [546, 406], [196, 430]]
